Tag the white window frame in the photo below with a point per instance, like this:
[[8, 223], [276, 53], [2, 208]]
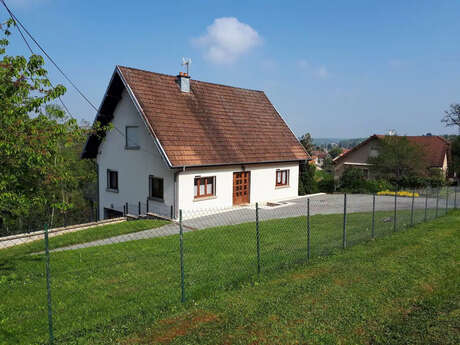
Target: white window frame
[[128, 146]]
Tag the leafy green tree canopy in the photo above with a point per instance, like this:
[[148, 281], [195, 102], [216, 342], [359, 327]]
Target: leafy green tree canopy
[[307, 142], [34, 139], [335, 151], [398, 158]]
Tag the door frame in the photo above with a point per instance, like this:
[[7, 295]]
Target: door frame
[[234, 191]]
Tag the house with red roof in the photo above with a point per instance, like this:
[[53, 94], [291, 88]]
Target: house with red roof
[[436, 152], [318, 158], [178, 143]]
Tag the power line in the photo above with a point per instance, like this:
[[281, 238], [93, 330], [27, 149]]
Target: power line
[[49, 57], [16, 20], [32, 52]]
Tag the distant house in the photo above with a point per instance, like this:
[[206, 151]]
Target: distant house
[[178, 143], [318, 158], [436, 150]]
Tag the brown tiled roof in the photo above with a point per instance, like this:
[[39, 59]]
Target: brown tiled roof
[[435, 148], [212, 124]]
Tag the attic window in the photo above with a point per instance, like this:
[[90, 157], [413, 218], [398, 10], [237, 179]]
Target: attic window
[[132, 137]]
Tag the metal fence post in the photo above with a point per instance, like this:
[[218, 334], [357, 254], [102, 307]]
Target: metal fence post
[[373, 216], [437, 203], [126, 205], [447, 199], [48, 287], [344, 237], [258, 238], [139, 208], [455, 197], [182, 275], [147, 207], [308, 229], [394, 214], [412, 209], [426, 206]]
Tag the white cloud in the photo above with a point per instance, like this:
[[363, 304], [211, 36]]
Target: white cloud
[[226, 39], [323, 73]]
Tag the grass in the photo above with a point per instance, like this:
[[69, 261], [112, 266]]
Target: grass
[[83, 236], [104, 295]]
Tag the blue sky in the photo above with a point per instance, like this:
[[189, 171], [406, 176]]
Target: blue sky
[[332, 68]]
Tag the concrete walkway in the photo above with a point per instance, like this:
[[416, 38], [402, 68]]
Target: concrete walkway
[[320, 204]]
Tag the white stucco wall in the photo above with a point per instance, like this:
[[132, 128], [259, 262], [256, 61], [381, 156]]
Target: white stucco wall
[[133, 166], [444, 166], [262, 185]]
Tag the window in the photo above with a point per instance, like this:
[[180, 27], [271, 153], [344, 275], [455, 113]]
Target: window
[[155, 187], [366, 173], [112, 180], [373, 151], [282, 178], [204, 186], [132, 137]]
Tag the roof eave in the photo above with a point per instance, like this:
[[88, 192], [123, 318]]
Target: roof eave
[[84, 152], [238, 163]]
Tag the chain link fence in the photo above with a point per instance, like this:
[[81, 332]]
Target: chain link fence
[[102, 283]]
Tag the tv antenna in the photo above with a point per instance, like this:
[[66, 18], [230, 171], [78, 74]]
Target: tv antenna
[[187, 62]]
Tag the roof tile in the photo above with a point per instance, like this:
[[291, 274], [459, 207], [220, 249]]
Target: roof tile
[[213, 124]]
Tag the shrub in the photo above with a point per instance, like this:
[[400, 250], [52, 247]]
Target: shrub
[[326, 184], [307, 182], [354, 181], [400, 193], [374, 186]]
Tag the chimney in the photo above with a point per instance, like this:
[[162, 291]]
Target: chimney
[[184, 81]]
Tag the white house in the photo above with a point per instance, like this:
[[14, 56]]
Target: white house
[[177, 143]]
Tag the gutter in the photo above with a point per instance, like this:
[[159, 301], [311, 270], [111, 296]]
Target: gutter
[[183, 167]]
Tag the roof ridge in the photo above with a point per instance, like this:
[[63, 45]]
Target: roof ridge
[[191, 79]]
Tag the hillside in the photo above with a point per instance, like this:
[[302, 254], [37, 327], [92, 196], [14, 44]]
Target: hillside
[[400, 289]]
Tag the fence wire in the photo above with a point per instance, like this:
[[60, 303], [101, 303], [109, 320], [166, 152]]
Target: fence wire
[[113, 278]]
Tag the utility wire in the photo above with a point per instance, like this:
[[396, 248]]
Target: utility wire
[[16, 20], [32, 52], [49, 57]]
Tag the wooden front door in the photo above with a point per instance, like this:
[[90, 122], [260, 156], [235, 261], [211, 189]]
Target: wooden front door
[[241, 184]]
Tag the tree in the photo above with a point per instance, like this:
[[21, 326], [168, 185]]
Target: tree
[[307, 182], [37, 171], [452, 116], [335, 151], [455, 148], [398, 159], [307, 142], [328, 164]]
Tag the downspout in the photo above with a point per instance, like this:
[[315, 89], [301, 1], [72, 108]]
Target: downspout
[[98, 191]]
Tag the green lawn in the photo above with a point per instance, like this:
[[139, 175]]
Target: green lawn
[[104, 294], [83, 236], [401, 289]]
